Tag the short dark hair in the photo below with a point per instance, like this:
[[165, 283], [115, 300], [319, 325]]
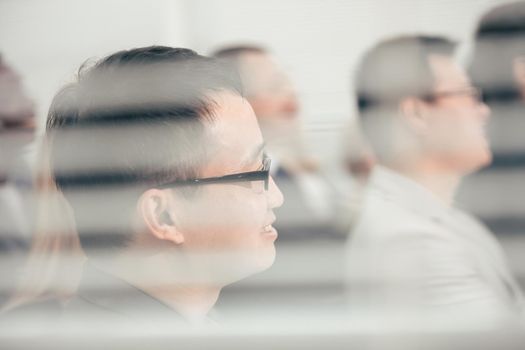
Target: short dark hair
[[394, 69], [134, 120], [499, 38]]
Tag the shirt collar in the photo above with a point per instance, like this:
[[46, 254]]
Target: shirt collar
[[113, 293], [407, 192]]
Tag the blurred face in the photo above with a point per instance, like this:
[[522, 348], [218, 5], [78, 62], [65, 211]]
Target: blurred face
[[271, 93], [16, 116], [456, 119], [231, 223]]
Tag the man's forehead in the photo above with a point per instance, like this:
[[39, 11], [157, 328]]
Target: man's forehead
[[448, 74], [253, 154], [234, 131], [258, 65], [229, 108], [257, 58]]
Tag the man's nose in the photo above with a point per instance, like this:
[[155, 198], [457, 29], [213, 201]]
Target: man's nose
[[275, 196]]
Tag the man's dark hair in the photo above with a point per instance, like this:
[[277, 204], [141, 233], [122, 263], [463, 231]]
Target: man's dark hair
[[392, 70], [499, 39], [134, 120]]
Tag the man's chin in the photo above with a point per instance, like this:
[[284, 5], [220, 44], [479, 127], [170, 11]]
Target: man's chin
[[265, 259], [488, 159], [254, 264], [484, 157], [477, 161], [268, 259]]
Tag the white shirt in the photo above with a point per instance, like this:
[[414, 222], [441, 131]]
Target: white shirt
[[409, 251]]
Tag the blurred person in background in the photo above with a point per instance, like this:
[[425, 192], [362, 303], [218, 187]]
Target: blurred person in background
[[498, 67], [309, 209], [358, 158], [358, 161], [412, 251], [162, 163], [17, 126]]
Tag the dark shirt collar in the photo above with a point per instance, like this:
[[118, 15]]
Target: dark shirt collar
[[114, 294]]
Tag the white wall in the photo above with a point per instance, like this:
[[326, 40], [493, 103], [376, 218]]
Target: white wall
[[318, 41], [46, 41]]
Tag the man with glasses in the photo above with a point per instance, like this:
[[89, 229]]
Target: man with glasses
[[412, 252], [309, 208], [163, 164]]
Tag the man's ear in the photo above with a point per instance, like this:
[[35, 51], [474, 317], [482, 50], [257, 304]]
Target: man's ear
[[156, 208], [414, 113]]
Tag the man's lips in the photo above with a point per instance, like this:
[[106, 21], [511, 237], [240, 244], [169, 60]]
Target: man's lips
[[270, 220], [267, 229], [269, 232]]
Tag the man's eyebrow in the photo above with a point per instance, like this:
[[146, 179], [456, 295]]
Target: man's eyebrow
[[254, 155]]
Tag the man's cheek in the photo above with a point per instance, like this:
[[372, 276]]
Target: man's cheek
[[232, 211]]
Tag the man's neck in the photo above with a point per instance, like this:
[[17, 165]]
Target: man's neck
[[441, 182], [191, 301], [152, 274]]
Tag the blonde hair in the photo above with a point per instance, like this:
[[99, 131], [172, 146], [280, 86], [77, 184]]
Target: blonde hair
[[52, 269]]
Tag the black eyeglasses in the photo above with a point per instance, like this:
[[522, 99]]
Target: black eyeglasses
[[259, 178]]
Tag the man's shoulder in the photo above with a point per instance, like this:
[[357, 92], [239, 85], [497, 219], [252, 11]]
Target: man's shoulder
[[79, 305], [108, 298], [34, 314], [82, 311], [382, 218]]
